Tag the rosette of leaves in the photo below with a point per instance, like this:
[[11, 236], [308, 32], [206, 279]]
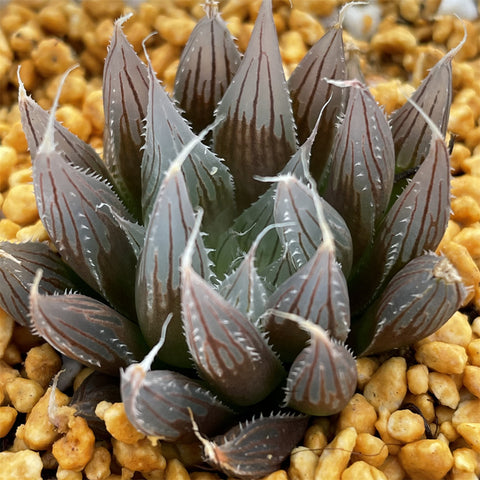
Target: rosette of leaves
[[247, 231]]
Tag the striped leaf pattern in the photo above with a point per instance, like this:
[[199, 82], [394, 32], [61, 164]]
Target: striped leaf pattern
[[310, 91], [325, 390], [209, 183], [362, 166], [427, 290], [125, 83], [158, 288], [257, 447], [75, 150], [157, 403], [85, 234], [206, 68], [411, 134], [18, 265], [294, 203], [257, 136], [87, 330]]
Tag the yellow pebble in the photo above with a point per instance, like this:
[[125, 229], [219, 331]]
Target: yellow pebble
[[175, 30], [292, 47], [25, 465], [176, 471], [471, 379], [42, 363], [468, 411], [8, 159], [334, 459], [73, 119], [39, 432], [19, 205], [141, 456], [16, 138], [24, 393], [32, 233], [393, 469], [381, 425], [394, 40], [18, 177], [442, 357], [52, 57], [366, 367], [444, 389], [315, 438], [456, 330], [8, 229], [465, 459], [426, 459], [417, 379], [471, 433], [388, 385], [358, 413], [461, 120], [98, 468], [405, 426], [25, 38], [473, 351], [92, 110], [465, 210], [75, 449], [306, 25], [53, 19], [8, 416], [469, 237], [6, 330], [364, 471], [302, 464], [370, 449], [119, 426]]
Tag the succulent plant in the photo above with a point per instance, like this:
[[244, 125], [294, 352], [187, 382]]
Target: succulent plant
[[254, 269]]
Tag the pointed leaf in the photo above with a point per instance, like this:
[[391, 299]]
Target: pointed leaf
[[73, 149], [362, 166], [157, 403], [87, 330], [411, 133], [310, 90], [158, 286], [125, 90], [415, 223], [257, 136], [294, 203], [318, 292], [244, 288], [18, 264], [323, 377], [225, 346], [166, 133], [418, 300], [206, 68], [256, 448], [87, 237]]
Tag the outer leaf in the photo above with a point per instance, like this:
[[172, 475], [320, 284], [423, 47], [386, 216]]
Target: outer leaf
[[207, 65], [225, 346], [18, 264], [258, 134], [411, 133], [323, 377], [87, 330], [362, 166], [87, 237], [157, 403], [125, 89], [294, 203], [256, 448], [310, 90], [158, 286], [415, 223], [72, 148], [418, 300], [166, 133]]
